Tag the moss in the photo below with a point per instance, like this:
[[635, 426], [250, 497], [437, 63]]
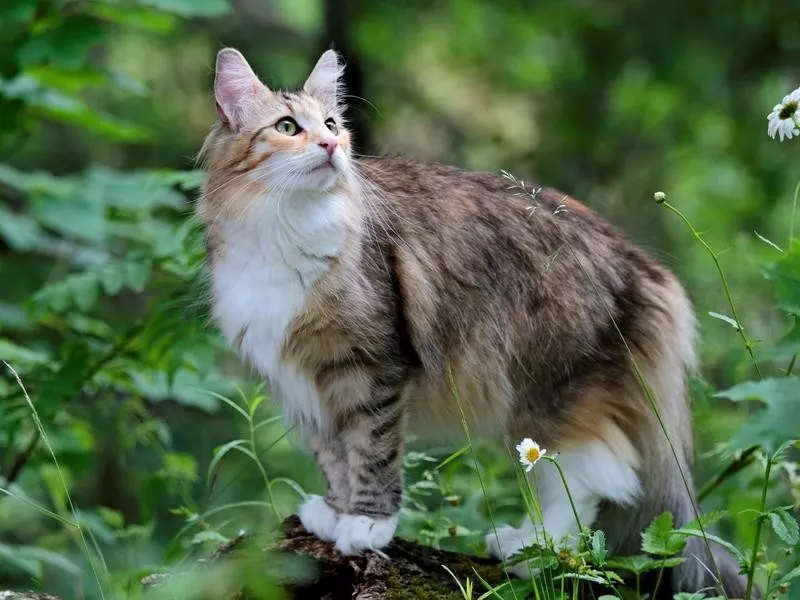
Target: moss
[[425, 588], [419, 588]]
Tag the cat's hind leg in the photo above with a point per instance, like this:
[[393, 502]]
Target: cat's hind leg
[[593, 472]]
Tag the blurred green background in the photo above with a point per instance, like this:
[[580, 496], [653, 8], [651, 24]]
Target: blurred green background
[[103, 307]]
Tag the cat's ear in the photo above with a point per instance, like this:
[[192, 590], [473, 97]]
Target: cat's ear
[[323, 83], [236, 88]]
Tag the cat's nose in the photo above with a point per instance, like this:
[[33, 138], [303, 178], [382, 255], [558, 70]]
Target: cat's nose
[[330, 146]]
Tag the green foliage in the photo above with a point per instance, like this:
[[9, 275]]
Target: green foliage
[[771, 427], [166, 449]]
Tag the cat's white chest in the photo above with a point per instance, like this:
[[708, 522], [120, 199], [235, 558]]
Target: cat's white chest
[[261, 279]]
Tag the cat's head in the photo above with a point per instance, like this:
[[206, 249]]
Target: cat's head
[[287, 141]]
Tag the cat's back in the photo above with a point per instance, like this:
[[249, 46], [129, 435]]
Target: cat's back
[[437, 194], [480, 218]]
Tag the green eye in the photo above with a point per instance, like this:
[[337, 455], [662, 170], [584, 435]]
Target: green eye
[[288, 126], [332, 127]]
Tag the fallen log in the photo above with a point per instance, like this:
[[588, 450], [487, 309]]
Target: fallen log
[[409, 571]]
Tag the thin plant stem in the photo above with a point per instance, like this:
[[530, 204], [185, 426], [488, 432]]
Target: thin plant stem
[[757, 538], [747, 343], [738, 464], [790, 368], [794, 210], [454, 390], [566, 488], [263, 471]]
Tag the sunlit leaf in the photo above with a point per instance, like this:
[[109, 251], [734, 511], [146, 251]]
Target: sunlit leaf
[[777, 422], [785, 526], [660, 539]]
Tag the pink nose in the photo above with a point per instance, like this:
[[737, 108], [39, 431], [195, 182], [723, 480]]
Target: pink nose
[[330, 146]]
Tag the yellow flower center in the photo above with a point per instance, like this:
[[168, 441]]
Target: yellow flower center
[[533, 454], [788, 109]]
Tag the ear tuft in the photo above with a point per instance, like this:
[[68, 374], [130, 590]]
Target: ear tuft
[[236, 88], [323, 83]]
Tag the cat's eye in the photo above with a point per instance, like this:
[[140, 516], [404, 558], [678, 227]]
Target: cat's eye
[[332, 127], [288, 126]]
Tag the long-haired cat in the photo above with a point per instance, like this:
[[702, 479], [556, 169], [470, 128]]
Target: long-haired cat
[[363, 288]]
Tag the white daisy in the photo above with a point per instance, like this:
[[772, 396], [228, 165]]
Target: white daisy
[[783, 119], [529, 453]]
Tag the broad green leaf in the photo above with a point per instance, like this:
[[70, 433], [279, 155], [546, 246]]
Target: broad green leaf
[[778, 422], [707, 520], [132, 16], [16, 557], [599, 552], [18, 11], [785, 275], [785, 526], [642, 563], [717, 540], [65, 45], [20, 231], [13, 353], [793, 574], [190, 8], [660, 539], [59, 106], [69, 379]]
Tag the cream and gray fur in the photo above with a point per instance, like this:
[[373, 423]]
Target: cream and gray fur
[[363, 288]]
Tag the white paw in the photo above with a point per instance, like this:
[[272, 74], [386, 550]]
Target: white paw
[[355, 533], [507, 541], [319, 518]]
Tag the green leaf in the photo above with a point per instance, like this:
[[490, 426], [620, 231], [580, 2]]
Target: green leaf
[[12, 353], [785, 526], [716, 539], [58, 106], [642, 563], [660, 539], [69, 379], [20, 231], [15, 557], [219, 454], [778, 422], [132, 16], [793, 574], [785, 275], [707, 520], [599, 552], [190, 8], [729, 320], [208, 536], [66, 45]]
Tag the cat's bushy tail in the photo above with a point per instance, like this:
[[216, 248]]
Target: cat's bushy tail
[[663, 358]]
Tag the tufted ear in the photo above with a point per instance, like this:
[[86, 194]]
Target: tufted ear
[[236, 88], [323, 83]]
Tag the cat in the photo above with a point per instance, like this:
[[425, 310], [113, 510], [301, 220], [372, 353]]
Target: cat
[[380, 294]]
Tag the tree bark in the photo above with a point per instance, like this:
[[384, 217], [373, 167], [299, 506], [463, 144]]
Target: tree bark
[[411, 571]]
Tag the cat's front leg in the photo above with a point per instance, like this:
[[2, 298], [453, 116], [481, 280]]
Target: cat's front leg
[[373, 442], [320, 515]]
